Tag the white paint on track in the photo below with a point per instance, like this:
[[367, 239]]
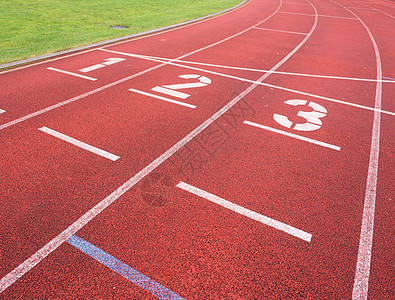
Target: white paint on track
[[163, 98], [282, 31], [72, 74], [80, 144], [292, 135], [2, 111], [246, 212], [362, 272], [325, 16], [262, 84], [33, 260]]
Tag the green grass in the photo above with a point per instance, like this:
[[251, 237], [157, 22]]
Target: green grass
[[33, 27]]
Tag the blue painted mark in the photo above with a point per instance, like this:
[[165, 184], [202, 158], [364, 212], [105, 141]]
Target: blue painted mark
[[122, 269], [389, 78]]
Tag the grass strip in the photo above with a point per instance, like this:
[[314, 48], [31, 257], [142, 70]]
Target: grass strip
[[34, 27]]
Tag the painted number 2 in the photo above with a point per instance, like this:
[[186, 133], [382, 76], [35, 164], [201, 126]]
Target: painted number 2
[[313, 118], [172, 89]]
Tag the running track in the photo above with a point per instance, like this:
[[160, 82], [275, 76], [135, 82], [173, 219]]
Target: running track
[[248, 156]]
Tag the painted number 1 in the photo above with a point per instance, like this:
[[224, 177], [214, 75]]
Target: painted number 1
[[172, 89], [313, 118]]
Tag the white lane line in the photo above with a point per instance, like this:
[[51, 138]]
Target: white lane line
[[2, 111], [79, 144], [269, 29], [60, 104], [325, 16], [163, 98], [260, 83], [362, 271], [155, 58], [39, 255], [292, 135], [71, 73], [170, 92], [246, 212]]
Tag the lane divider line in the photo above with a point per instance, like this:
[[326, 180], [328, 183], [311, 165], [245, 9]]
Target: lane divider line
[[246, 212], [261, 83], [325, 16], [292, 135], [71, 73], [2, 111], [79, 144], [123, 269], [269, 29], [362, 270], [163, 98]]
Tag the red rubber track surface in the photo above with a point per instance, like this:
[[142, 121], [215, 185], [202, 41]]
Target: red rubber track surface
[[196, 248]]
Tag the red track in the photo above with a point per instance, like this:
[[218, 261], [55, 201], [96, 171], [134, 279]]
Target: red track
[[195, 248]]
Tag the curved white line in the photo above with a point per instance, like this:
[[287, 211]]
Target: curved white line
[[361, 280]]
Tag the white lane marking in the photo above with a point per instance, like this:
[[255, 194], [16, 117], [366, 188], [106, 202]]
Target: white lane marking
[[60, 104], [71, 73], [362, 271], [38, 256], [260, 83], [163, 98], [292, 135], [325, 16], [154, 58], [170, 92], [269, 29], [208, 18], [108, 62], [79, 144], [375, 9], [246, 212], [2, 111]]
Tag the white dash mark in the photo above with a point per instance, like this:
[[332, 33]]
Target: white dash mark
[[71, 73], [2, 111], [246, 212], [163, 98], [170, 92], [80, 144], [292, 135]]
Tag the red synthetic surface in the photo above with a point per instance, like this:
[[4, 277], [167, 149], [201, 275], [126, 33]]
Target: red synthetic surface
[[191, 246]]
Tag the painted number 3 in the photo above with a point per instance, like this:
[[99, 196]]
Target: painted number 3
[[313, 118]]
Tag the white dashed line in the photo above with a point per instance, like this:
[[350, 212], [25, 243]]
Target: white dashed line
[[79, 144], [71, 73]]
